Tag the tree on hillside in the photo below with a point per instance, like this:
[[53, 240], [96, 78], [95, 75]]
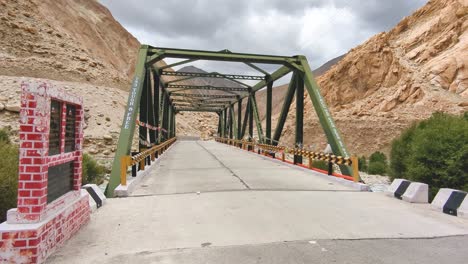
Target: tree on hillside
[[435, 152]]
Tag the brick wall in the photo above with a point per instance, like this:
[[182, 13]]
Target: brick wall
[[35, 228]]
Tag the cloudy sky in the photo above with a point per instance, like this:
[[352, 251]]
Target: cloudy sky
[[319, 29]]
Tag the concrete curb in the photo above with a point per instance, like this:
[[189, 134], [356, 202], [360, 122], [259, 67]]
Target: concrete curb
[[98, 199], [452, 202], [412, 192], [132, 182], [355, 185]]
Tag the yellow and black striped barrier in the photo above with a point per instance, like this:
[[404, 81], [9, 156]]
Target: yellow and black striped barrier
[[140, 158], [330, 158]]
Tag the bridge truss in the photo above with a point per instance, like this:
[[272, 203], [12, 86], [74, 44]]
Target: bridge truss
[[154, 101]]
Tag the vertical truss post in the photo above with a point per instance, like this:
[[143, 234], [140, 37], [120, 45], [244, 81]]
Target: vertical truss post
[[151, 118], [299, 115], [284, 111], [231, 122], [258, 122], [165, 111], [219, 125], [156, 105], [234, 121], [251, 113], [246, 118], [128, 124], [239, 119], [225, 123], [269, 96], [144, 109], [174, 132], [325, 118], [169, 121]]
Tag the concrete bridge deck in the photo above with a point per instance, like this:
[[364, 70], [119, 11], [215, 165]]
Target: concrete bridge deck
[[251, 209]]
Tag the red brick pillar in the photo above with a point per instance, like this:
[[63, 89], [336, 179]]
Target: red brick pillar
[[56, 218]]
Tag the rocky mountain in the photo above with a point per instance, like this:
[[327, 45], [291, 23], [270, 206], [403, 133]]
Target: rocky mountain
[[79, 46], [68, 40], [395, 78]]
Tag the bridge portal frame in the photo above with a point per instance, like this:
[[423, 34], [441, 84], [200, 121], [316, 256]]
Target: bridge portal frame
[[152, 99]]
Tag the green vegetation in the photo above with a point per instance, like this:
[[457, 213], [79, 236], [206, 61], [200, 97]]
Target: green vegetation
[[92, 171], [320, 164], [435, 152], [362, 163], [8, 174], [378, 163]]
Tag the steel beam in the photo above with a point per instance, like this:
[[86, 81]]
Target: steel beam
[[246, 118], [215, 110], [128, 124], [299, 115], [269, 97], [239, 119], [285, 109], [251, 114], [144, 109], [206, 96], [156, 103], [256, 115], [213, 75], [206, 87], [324, 115], [223, 56]]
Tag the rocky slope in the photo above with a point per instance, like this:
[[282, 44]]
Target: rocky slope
[[69, 40], [395, 78], [79, 46]]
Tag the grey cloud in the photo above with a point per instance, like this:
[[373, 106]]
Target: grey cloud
[[260, 26]]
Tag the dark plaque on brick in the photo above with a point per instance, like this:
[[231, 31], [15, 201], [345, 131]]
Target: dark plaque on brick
[[55, 123], [70, 129], [60, 180]]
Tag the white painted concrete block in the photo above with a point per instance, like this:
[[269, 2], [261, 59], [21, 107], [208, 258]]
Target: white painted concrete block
[[417, 192], [98, 191], [92, 203], [463, 209], [393, 187], [441, 198]]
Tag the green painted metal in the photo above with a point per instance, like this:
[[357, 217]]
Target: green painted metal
[[144, 109], [256, 115], [269, 97], [223, 56], [158, 105], [246, 118], [205, 87], [299, 135], [239, 119], [285, 109], [325, 118], [233, 122], [205, 96], [156, 102], [128, 124], [213, 75]]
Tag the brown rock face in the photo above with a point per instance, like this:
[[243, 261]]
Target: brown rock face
[[69, 40], [395, 78]]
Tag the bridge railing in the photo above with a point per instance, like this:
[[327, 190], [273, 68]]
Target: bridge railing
[[310, 155], [141, 159]]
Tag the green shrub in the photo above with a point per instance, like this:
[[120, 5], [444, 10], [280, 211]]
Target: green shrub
[[377, 163], [435, 152], [4, 136], [8, 175], [362, 163], [92, 171], [320, 164]]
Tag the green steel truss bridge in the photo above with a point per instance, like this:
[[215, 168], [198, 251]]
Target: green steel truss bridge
[[154, 101]]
